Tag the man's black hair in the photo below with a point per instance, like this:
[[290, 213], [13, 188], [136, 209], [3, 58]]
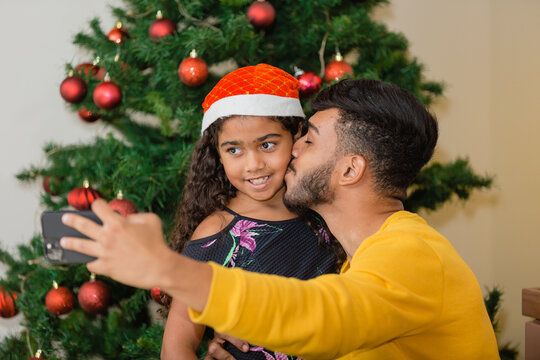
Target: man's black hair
[[387, 125]]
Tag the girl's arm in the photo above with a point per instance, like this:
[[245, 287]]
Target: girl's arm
[[181, 337]]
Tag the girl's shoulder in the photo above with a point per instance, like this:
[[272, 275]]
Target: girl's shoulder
[[212, 225]]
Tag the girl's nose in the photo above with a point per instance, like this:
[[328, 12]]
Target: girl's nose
[[255, 161]]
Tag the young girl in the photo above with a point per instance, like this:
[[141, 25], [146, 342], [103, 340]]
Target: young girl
[[232, 211]]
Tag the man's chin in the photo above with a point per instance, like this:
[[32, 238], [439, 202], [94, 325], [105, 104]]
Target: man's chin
[[294, 206]]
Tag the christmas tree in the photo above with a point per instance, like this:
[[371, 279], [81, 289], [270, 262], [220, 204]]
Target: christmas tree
[[147, 79]]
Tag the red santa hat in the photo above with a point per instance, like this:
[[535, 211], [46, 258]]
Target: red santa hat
[[260, 90]]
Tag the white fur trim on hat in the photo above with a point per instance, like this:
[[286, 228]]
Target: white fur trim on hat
[[252, 104]]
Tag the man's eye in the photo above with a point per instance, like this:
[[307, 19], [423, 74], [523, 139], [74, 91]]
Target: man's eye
[[233, 151], [268, 145]]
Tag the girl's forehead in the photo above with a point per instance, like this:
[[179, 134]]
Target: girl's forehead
[[248, 123]]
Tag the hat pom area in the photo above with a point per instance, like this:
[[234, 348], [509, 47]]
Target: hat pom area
[[260, 90]]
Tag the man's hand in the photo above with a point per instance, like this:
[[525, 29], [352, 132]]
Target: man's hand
[[216, 350], [128, 249]]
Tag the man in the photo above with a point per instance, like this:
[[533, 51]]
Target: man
[[404, 292]]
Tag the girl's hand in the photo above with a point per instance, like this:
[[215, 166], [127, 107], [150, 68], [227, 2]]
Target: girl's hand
[[216, 350]]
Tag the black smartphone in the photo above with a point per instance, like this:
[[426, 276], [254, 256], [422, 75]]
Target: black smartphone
[[53, 230]]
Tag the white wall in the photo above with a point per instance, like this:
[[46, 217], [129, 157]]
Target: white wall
[[36, 44], [486, 51]]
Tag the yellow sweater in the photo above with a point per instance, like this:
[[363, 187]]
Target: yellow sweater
[[406, 294]]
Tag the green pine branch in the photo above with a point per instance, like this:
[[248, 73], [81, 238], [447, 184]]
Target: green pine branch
[[493, 300], [437, 183]]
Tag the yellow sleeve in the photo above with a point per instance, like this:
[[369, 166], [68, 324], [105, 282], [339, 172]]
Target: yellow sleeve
[[392, 289]]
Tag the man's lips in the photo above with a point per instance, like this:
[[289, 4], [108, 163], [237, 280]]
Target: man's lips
[[291, 168]]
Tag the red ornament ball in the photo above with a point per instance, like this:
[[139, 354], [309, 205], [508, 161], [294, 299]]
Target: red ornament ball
[[7, 303], [310, 83], [88, 69], [161, 28], [193, 70], [107, 95], [261, 14], [155, 292], [82, 197], [73, 89], [118, 34], [123, 206], [94, 297], [87, 115], [336, 69], [47, 180], [59, 300]]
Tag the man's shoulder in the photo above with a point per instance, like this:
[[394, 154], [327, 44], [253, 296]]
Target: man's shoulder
[[403, 233], [404, 225]]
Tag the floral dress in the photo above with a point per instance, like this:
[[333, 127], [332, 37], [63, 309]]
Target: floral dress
[[287, 248]]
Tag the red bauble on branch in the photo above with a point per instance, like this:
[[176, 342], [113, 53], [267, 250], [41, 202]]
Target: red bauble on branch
[[155, 292], [94, 296], [310, 83], [83, 196], [261, 14], [87, 115], [161, 27], [7, 303], [337, 69], [122, 206], [73, 89], [118, 34], [193, 70], [107, 95], [90, 70], [47, 180], [59, 300]]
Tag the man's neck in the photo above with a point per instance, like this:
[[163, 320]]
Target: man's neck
[[352, 221]]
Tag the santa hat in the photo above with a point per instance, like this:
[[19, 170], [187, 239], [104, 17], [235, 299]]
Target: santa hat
[[260, 90]]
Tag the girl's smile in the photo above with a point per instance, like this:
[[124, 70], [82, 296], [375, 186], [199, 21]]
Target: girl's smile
[[260, 182]]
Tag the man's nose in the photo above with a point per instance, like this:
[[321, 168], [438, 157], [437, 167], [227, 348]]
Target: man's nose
[[296, 150]]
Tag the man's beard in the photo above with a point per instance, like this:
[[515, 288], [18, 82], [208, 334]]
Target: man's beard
[[312, 189]]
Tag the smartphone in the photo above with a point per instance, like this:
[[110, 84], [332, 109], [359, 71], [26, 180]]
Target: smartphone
[[53, 230]]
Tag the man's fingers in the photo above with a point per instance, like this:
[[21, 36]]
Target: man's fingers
[[103, 211], [144, 218], [82, 224], [84, 246], [216, 351], [95, 267]]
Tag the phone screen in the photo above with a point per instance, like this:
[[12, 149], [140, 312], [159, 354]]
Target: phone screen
[[53, 230]]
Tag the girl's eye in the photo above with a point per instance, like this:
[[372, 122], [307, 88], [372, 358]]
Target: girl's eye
[[233, 151], [268, 145], [307, 141]]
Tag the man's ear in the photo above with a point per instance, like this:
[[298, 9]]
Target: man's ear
[[352, 169]]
